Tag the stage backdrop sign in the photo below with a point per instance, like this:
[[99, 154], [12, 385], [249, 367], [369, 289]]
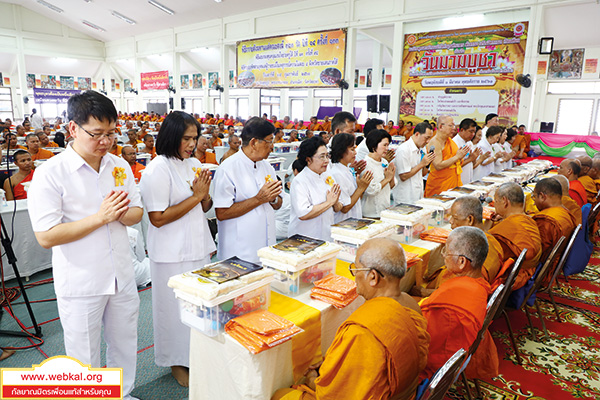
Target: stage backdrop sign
[[154, 80], [465, 73], [314, 59]]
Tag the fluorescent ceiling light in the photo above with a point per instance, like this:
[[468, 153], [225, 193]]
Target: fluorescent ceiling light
[[93, 26], [64, 60], [161, 7], [124, 18], [218, 1], [50, 6]]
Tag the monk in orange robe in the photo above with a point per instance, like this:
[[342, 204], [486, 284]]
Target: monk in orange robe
[[202, 154], [553, 220], [33, 146], [218, 119], [278, 138], [115, 149], [518, 145], [389, 128], [314, 125], [149, 146], [209, 120], [586, 180], [468, 211], [386, 337], [455, 312], [13, 186], [287, 124], [45, 140], [571, 169], [326, 124], [129, 154], [516, 231], [446, 166], [276, 122]]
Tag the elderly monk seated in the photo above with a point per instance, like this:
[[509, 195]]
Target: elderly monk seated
[[149, 146], [44, 139], [33, 145], [201, 152], [468, 211], [594, 172], [586, 180], [13, 186], [516, 231], [571, 169], [234, 146], [379, 351], [128, 153], [455, 312], [553, 220], [566, 200]]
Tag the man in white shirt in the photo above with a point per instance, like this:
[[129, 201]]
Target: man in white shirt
[[466, 131], [36, 120], [80, 205], [490, 120], [247, 193], [411, 165], [370, 125]]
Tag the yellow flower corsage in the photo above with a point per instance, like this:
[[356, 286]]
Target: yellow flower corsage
[[197, 171], [268, 179], [119, 175], [329, 181]]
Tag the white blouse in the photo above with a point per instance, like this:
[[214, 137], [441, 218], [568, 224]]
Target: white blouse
[[485, 170], [343, 176], [308, 190], [167, 182], [376, 198]]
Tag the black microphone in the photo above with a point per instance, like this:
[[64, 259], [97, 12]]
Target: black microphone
[[431, 149]]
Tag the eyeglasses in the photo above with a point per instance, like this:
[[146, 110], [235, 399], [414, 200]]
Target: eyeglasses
[[353, 270], [99, 136], [323, 157], [266, 141], [444, 254]]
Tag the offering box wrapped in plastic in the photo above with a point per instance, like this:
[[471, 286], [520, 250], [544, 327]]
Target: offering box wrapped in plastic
[[463, 191], [282, 147], [410, 220], [440, 206], [353, 232], [488, 188], [298, 262], [276, 162], [497, 178], [212, 295], [211, 167]]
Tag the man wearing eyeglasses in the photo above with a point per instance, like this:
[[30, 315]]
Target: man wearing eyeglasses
[[455, 312], [80, 204], [246, 195], [379, 351]]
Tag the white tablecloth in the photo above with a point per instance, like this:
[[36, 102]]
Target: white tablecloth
[[31, 257], [221, 368]]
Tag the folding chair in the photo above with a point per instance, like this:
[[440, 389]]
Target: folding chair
[[444, 377], [559, 268], [508, 285], [492, 308], [592, 218]]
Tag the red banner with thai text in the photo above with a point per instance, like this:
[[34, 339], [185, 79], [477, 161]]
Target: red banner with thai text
[[154, 80]]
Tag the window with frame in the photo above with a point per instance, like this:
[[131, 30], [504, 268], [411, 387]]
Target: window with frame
[[574, 116]]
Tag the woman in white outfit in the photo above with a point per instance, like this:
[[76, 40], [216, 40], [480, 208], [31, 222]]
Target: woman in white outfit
[[492, 135], [377, 196], [175, 193], [343, 154], [314, 194]]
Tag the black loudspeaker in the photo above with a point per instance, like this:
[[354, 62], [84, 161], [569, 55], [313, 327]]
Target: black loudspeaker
[[170, 103], [372, 103], [384, 103], [182, 103], [547, 127]]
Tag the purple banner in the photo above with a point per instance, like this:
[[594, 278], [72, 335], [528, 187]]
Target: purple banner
[[330, 111], [53, 95]]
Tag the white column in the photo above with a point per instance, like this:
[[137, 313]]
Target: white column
[[253, 103], [21, 109], [284, 103], [396, 71], [376, 74], [311, 105], [107, 76], [224, 81], [137, 84], [177, 78], [348, 98], [529, 108]]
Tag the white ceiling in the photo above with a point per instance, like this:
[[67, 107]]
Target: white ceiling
[[148, 18], [573, 26]]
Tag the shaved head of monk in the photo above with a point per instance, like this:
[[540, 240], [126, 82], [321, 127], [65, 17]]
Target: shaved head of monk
[[466, 211], [466, 250], [594, 172], [547, 193], [509, 199], [586, 164], [564, 183], [380, 264]]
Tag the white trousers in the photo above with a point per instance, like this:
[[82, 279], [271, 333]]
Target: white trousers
[[82, 319], [171, 336]]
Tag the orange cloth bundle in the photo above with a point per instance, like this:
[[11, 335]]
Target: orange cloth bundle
[[488, 212], [336, 290], [438, 235], [411, 258], [260, 330]]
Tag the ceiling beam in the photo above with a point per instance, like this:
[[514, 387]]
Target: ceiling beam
[[194, 64]]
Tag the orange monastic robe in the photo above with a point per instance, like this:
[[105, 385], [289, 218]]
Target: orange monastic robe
[[553, 222], [315, 127], [578, 193], [519, 145], [290, 126], [278, 124], [209, 158], [573, 208], [382, 337], [327, 126], [116, 151], [52, 144], [392, 131], [210, 121], [455, 314], [42, 154], [447, 178], [515, 233], [590, 188], [137, 171], [229, 122]]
